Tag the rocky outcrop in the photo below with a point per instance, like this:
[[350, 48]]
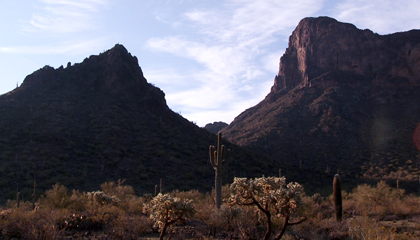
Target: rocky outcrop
[[112, 71], [215, 127], [321, 50], [344, 99]]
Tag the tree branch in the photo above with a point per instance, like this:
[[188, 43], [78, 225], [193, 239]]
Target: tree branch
[[298, 222]]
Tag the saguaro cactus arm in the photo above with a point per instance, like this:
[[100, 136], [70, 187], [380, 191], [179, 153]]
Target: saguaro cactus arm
[[213, 156]]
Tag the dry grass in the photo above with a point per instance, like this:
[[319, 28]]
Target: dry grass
[[370, 212]]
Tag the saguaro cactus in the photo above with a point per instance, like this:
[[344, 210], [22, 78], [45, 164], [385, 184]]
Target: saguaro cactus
[[218, 160], [337, 198]]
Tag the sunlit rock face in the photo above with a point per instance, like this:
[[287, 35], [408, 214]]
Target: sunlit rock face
[[343, 98], [322, 49]]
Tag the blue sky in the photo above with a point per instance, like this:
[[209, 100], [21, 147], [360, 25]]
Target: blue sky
[[213, 59]]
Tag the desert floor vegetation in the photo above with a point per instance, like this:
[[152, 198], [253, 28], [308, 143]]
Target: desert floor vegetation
[[369, 212]]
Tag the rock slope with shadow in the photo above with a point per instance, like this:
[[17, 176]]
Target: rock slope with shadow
[[344, 99], [100, 120]]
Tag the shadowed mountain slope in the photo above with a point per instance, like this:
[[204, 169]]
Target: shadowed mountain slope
[[345, 99], [99, 121]]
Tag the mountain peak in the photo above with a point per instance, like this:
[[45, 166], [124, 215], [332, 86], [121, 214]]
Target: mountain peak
[[98, 121], [345, 99], [112, 71], [320, 49], [119, 53], [120, 48]]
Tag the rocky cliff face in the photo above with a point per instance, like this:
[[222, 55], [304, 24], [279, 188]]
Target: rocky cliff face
[[344, 99], [321, 50]]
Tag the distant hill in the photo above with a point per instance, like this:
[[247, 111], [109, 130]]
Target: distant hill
[[344, 99], [98, 121], [215, 127]]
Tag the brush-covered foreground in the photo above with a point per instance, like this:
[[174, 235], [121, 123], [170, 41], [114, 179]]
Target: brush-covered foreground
[[370, 212]]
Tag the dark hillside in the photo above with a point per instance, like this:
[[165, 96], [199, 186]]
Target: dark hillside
[[215, 127], [99, 121]]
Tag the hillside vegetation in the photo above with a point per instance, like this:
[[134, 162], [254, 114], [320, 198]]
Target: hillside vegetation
[[370, 212]]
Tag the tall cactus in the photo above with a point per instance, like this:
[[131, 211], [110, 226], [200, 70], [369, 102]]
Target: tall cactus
[[218, 160], [337, 198]]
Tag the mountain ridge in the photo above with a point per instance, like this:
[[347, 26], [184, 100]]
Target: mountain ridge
[[320, 45], [344, 99], [97, 121]]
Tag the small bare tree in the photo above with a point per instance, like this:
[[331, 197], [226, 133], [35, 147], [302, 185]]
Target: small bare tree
[[271, 196], [164, 210]]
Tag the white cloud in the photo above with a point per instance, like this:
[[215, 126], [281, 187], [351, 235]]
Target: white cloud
[[203, 17], [64, 16], [199, 98], [213, 104], [252, 22], [232, 49], [380, 16], [220, 59]]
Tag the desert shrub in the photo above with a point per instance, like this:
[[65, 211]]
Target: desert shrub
[[191, 194], [312, 205], [119, 190], [204, 207], [407, 205], [14, 222], [236, 221], [23, 205], [376, 200], [78, 201], [164, 211], [101, 198], [59, 198], [328, 227], [363, 227], [31, 225], [203, 203], [225, 218], [80, 222], [271, 196], [134, 206], [128, 227], [125, 193], [366, 216]]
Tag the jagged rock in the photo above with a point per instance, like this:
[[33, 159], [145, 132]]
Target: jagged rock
[[345, 99], [321, 47], [215, 127]]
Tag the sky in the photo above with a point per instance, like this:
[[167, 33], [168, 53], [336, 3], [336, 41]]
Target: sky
[[213, 59]]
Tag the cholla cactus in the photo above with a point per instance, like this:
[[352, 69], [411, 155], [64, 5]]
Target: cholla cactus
[[101, 198], [270, 195], [164, 210]]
